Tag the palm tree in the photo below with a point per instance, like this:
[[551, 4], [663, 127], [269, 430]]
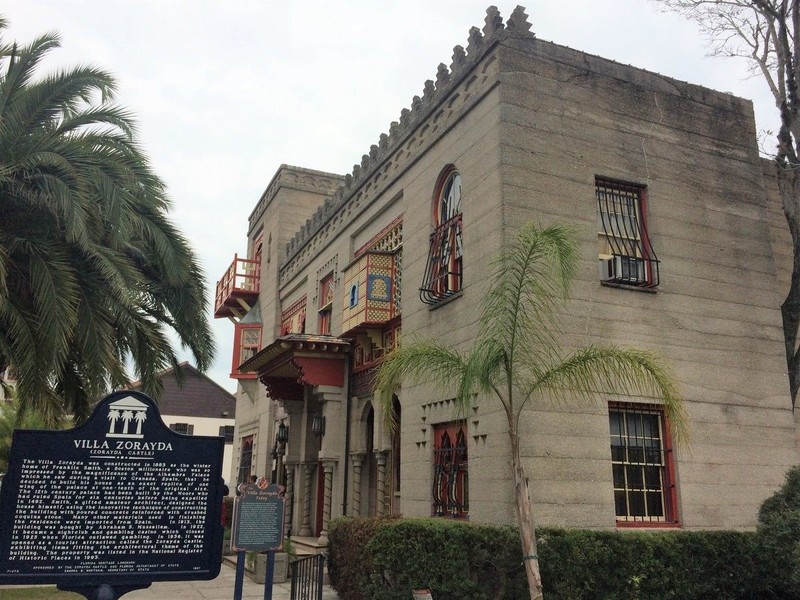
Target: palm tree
[[11, 419], [93, 275], [517, 359]]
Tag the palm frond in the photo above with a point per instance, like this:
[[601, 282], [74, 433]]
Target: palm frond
[[421, 361], [596, 372]]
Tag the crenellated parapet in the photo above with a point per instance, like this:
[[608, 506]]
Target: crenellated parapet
[[298, 178], [442, 101]]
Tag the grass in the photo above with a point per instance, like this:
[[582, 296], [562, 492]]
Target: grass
[[48, 592]]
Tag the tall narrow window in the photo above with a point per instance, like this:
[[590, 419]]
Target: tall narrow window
[[293, 318], [625, 252], [450, 471], [443, 275], [245, 460], [641, 458], [325, 304], [246, 343]]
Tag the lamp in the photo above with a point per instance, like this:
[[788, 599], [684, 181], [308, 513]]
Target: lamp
[[318, 424], [283, 433]]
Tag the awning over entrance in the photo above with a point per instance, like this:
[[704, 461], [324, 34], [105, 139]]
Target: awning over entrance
[[298, 359]]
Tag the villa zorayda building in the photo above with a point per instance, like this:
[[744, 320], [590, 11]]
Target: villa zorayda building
[[683, 250]]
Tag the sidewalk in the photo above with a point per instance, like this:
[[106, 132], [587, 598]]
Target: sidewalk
[[220, 588]]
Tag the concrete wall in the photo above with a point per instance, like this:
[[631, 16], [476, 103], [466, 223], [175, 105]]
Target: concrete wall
[[528, 126]]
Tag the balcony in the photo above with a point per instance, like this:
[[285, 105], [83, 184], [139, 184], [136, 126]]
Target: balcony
[[369, 285], [237, 291]]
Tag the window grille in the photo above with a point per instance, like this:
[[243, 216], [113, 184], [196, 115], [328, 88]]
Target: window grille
[[443, 275], [641, 458], [626, 254], [450, 471], [184, 428], [226, 431]]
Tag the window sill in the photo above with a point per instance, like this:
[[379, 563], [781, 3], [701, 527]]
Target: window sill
[[648, 525], [633, 288], [445, 301]]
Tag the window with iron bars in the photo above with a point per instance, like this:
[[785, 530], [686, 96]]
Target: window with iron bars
[[625, 252], [642, 464], [443, 274], [226, 431], [184, 428], [450, 489]]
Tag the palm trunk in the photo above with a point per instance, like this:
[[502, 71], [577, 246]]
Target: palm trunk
[[527, 532]]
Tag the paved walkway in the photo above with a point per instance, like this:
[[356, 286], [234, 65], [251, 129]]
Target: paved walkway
[[220, 588]]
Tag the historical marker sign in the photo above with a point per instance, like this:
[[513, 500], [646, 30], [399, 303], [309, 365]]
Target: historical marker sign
[[258, 518], [119, 500]]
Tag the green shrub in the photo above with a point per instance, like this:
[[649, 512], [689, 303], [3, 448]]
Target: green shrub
[[349, 565], [373, 559], [779, 535], [454, 559], [660, 564]]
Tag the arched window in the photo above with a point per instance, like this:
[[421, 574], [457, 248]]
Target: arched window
[[443, 275], [450, 489]]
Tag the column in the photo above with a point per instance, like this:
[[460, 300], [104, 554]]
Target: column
[[305, 527], [358, 461], [326, 507], [380, 509], [289, 510]]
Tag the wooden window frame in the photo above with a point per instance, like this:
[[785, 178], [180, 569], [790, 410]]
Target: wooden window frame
[[621, 464]]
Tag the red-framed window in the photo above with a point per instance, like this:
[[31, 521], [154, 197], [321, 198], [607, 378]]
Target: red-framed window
[[450, 489], [625, 252], [643, 466], [246, 343], [325, 304], [443, 275], [293, 318]]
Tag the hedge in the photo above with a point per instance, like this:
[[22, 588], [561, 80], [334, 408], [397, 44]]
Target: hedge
[[384, 559]]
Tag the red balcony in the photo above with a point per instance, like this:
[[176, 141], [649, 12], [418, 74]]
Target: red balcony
[[237, 291]]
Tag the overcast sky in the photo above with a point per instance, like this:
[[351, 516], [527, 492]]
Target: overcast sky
[[226, 91]]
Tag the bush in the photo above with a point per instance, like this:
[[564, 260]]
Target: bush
[[779, 534], [374, 559], [349, 565], [665, 565], [454, 559]]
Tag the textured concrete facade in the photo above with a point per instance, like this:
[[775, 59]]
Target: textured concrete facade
[[529, 125]]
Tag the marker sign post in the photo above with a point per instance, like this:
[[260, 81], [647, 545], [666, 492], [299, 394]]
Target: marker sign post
[[112, 505], [258, 514]]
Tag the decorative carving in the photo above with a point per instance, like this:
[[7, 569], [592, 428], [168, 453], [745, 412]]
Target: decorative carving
[[305, 527], [327, 467], [380, 509], [493, 22], [475, 42], [518, 21], [428, 92], [459, 60], [358, 461], [442, 76], [289, 506]]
